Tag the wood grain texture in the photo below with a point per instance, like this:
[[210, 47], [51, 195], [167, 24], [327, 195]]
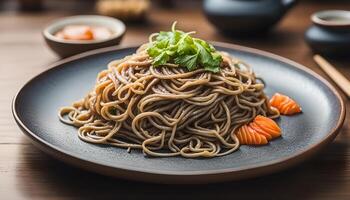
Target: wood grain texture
[[27, 173]]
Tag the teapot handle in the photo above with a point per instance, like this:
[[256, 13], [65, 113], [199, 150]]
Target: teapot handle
[[288, 3]]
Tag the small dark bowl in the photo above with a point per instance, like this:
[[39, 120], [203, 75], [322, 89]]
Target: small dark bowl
[[330, 33], [245, 17], [65, 48]]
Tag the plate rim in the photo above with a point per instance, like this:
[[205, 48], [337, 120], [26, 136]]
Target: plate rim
[[250, 171]]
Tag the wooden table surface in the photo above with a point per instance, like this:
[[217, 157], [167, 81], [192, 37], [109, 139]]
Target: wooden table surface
[[27, 173]]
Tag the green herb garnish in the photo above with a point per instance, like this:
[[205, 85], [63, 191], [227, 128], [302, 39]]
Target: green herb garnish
[[180, 48]]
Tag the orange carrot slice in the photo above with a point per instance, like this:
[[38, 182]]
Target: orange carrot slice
[[247, 135], [259, 131], [285, 104], [268, 126]]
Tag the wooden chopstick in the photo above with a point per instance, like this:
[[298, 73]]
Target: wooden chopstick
[[334, 74]]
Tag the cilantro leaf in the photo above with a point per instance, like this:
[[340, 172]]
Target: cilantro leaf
[[190, 61], [161, 59], [180, 48]]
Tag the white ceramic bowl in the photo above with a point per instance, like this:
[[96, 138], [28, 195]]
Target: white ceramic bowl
[[65, 48]]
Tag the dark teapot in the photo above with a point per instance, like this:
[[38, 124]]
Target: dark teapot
[[245, 16]]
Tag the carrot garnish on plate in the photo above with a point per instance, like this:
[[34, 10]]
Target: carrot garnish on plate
[[247, 135], [259, 131], [285, 104]]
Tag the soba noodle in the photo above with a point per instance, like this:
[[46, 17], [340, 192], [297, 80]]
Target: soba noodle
[[168, 110]]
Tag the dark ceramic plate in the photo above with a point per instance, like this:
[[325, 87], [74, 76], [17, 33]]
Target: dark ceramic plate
[[36, 104]]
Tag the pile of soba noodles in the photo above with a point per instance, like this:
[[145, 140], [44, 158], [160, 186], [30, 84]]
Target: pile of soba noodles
[[168, 110]]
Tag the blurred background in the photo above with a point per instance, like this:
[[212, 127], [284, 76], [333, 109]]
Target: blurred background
[[146, 16]]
